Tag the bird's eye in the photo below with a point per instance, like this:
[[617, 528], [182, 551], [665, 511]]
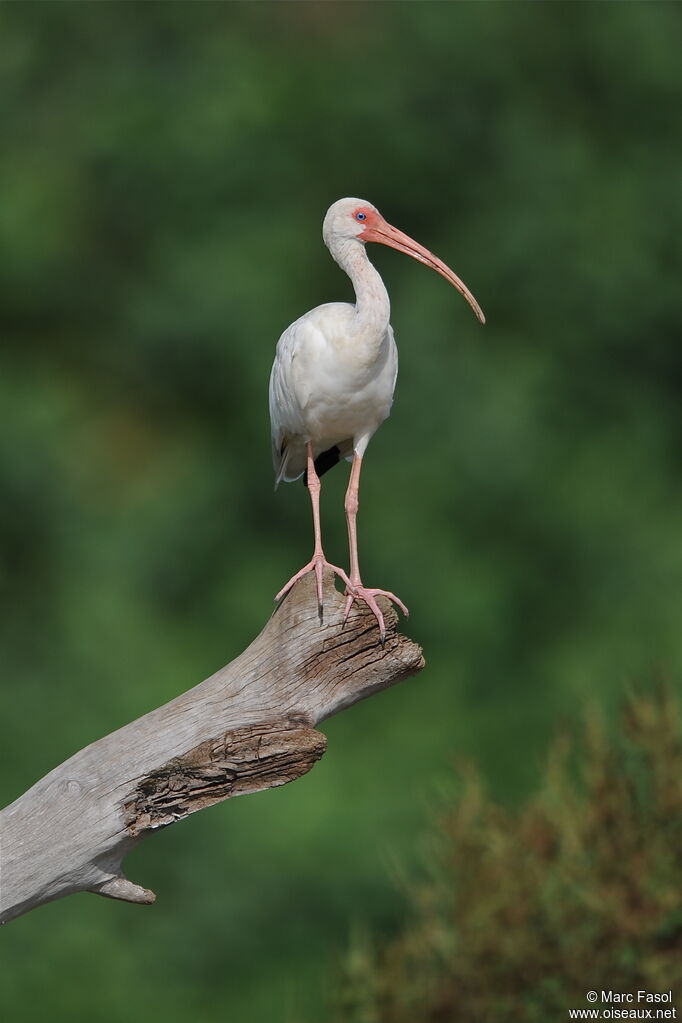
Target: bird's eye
[[361, 216]]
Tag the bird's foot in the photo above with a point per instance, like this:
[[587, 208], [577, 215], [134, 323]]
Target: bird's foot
[[317, 564], [356, 591]]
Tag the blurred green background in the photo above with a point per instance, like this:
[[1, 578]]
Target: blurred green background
[[164, 173]]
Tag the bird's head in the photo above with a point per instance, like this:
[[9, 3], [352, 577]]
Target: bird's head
[[358, 219], [349, 218]]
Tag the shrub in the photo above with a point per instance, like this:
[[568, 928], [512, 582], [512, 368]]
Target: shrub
[[517, 915]]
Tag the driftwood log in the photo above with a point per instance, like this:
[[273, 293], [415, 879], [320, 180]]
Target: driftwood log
[[249, 727]]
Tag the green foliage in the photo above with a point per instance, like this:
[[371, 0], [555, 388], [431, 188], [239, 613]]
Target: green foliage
[[165, 170], [520, 914]]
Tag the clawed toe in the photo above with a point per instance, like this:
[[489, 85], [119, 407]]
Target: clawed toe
[[317, 564], [354, 591], [369, 595]]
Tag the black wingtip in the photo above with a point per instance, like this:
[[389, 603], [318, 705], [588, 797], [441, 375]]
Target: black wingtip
[[324, 461]]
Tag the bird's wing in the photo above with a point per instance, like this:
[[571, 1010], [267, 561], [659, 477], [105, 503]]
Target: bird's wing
[[394, 358], [292, 381], [286, 418]]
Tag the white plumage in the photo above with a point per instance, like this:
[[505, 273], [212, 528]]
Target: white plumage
[[326, 388], [334, 375]]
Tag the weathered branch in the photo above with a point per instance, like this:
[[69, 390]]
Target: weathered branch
[[248, 727]]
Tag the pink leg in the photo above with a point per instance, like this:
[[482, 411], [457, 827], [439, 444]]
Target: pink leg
[[355, 590], [318, 562]]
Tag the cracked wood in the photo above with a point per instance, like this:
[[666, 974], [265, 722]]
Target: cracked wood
[[248, 727], [243, 760]]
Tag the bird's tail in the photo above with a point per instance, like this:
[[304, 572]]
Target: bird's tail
[[284, 470]]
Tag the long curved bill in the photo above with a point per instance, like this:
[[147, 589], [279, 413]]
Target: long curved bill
[[386, 234]]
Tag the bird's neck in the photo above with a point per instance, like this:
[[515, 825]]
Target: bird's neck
[[372, 304]]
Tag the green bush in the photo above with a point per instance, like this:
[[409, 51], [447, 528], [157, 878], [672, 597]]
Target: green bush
[[520, 914]]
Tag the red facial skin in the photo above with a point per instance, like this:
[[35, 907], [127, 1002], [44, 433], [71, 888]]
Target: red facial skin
[[376, 229]]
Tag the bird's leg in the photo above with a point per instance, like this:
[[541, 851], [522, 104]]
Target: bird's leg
[[355, 589], [318, 562]]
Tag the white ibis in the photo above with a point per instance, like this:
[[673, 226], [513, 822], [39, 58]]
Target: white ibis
[[333, 379]]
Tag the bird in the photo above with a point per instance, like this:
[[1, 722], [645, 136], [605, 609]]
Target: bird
[[332, 384]]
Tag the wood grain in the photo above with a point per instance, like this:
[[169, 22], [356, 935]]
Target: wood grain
[[250, 726]]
